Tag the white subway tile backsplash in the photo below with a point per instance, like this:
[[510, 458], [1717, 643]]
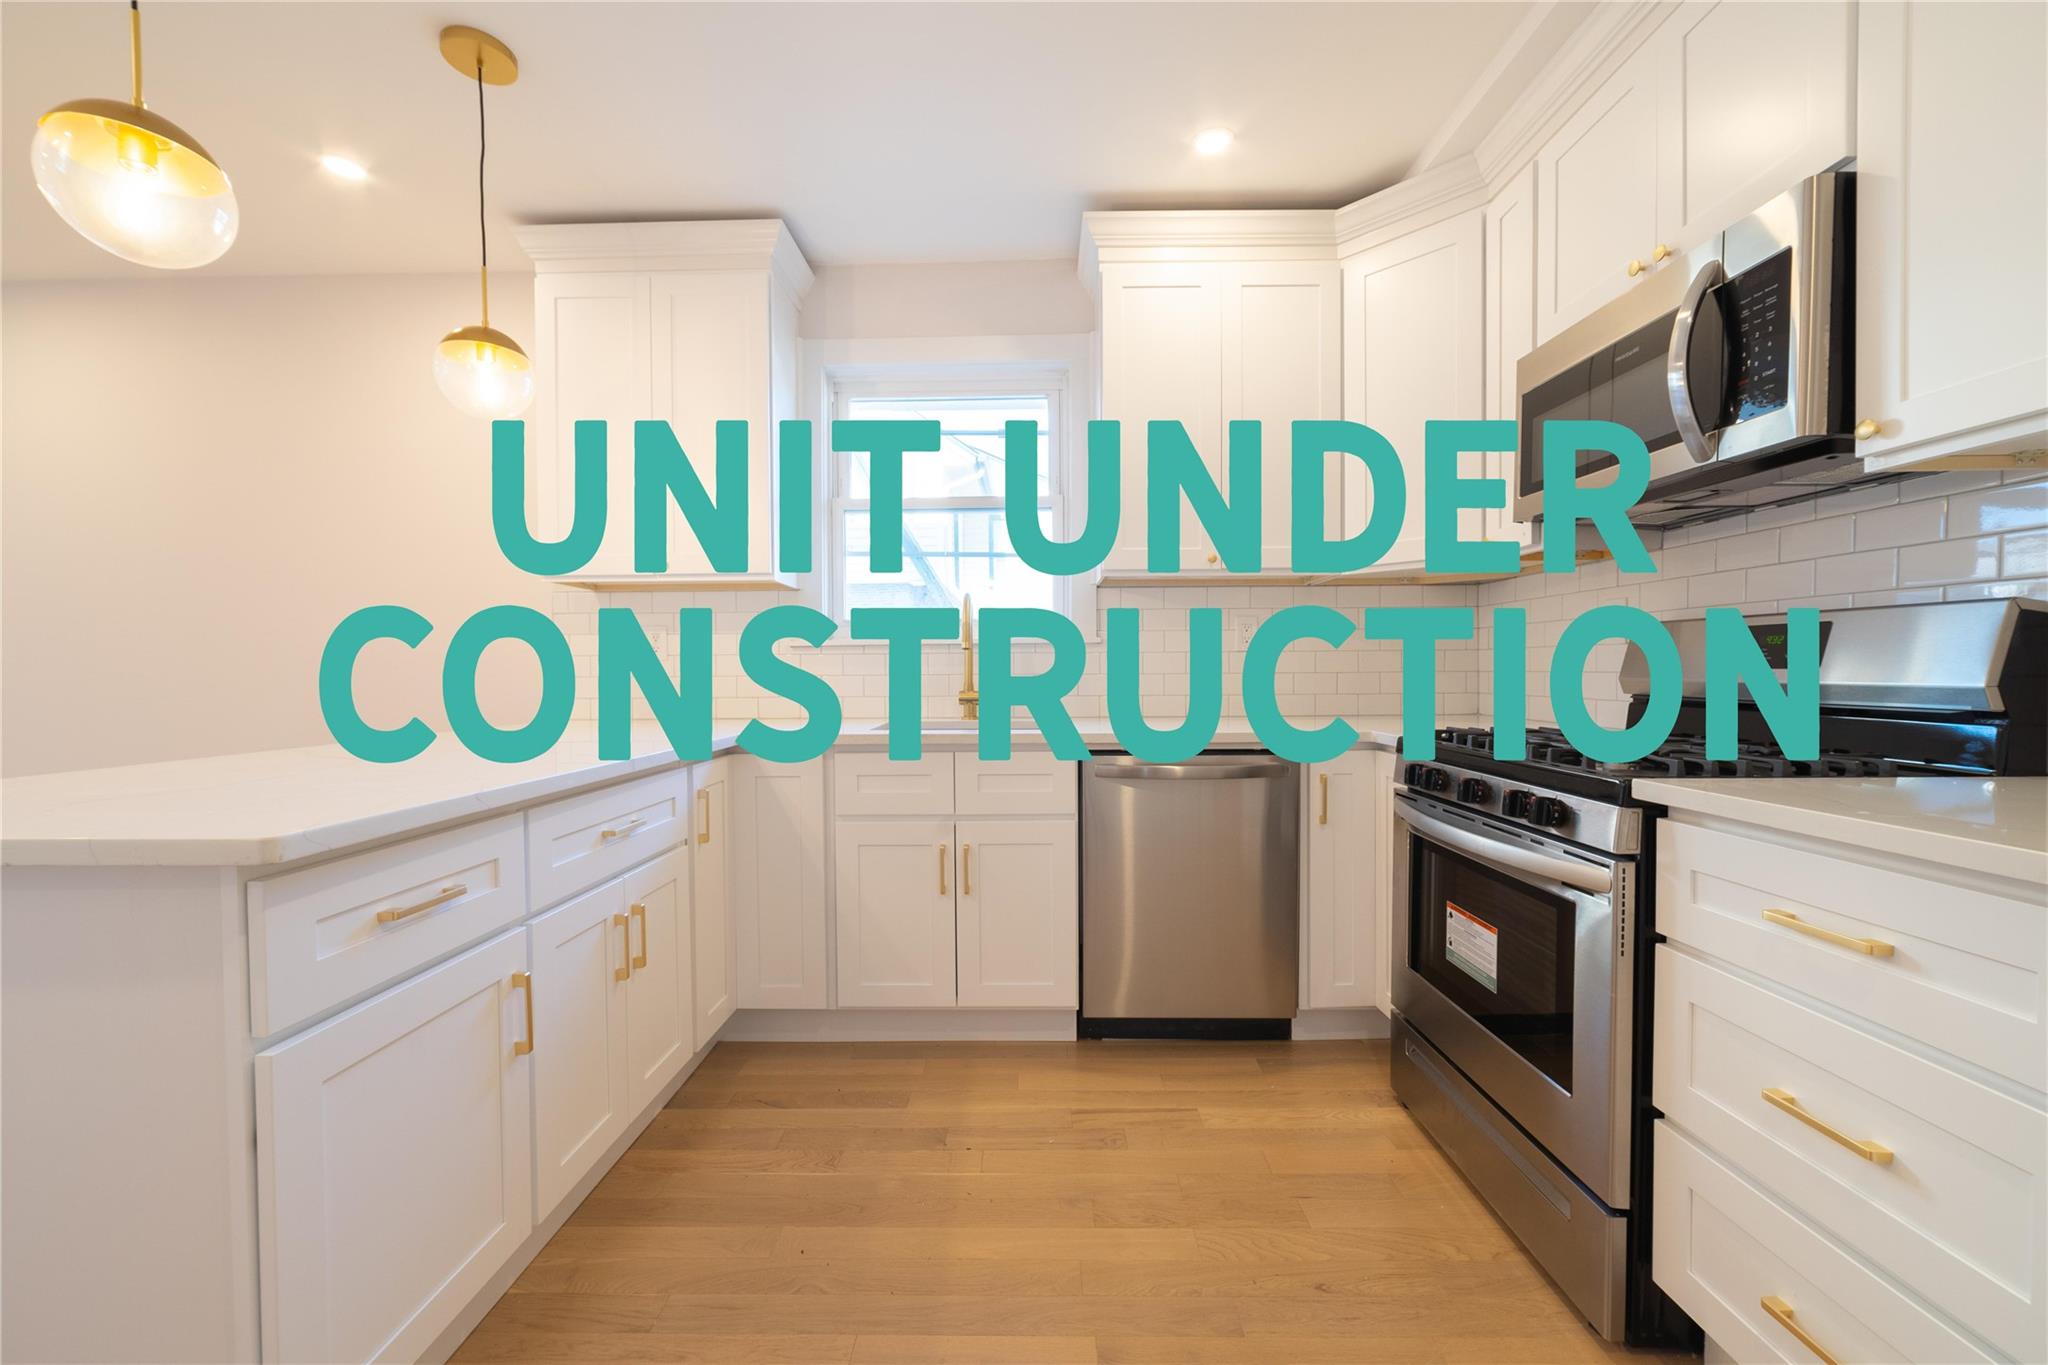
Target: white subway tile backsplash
[[2006, 507], [1747, 550], [2023, 554], [1949, 561], [1857, 572], [1909, 523], [1773, 582], [1826, 536]]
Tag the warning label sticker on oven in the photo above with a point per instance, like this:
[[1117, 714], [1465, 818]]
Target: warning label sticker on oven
[[1472, 945]]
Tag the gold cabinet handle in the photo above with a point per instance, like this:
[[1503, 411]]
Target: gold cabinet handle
[[704, 817], [1636, 268], [625, 967], [1866, 429], [1875, 1152], [1875, 947], [522, 981], [639, 912], [1323, 816], [942, 869], [967, 869], [447, 893], [1782, 1312], [622, 830], [1212, 558], [1662, 253]]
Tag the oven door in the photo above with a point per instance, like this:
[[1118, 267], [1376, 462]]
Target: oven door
[[1511, 958]]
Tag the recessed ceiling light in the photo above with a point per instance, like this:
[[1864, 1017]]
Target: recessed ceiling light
[[341, 168], [1214, 141]]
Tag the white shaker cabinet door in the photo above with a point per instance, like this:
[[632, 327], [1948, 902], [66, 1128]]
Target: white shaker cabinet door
[[895, 912], [660, 1024], [591, 357], [779, 876], [710, 359], [1596, 198], [714, 955], [1020, 913], [1281, 364], [394, 1161], [1343, 902], [581, 1097], [1510, 335], [1951, 212]]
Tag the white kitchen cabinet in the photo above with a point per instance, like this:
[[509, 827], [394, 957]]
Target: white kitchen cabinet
[[582, 1092], [688, 323], [776, 859], [714, 954], [1510, 334], [394, 1161], [1343, 904], [1414, 353], [895, 939], [1019, 912], [1596, 197], [1951, 212], [1208, 319], [660, 1023]]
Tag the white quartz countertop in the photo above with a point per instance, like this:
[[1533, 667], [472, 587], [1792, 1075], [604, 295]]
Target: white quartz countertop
[[281, 805], [1995, 825]]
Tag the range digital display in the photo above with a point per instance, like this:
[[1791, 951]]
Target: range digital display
[[1774, 641]]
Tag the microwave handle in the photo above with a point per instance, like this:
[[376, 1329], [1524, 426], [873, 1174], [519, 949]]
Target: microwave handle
[[1701, 445], [1508, 857]]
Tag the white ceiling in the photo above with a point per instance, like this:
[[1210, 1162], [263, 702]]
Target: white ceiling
[[917, 132]]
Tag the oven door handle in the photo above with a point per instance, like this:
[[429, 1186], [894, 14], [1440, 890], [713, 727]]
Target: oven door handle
[[1699, 444], [1586, 876]]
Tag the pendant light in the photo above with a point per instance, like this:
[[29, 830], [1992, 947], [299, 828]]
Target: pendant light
[[479, 368], [132, 182]]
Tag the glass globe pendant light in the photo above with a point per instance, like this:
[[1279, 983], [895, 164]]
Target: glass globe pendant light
[[480, 369], [132, 182]]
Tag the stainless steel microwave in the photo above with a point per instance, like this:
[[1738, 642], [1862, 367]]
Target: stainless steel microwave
[[1733, 363]]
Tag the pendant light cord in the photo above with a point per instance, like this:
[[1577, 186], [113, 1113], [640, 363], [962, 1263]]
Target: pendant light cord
[[483, 238], [135, 50]]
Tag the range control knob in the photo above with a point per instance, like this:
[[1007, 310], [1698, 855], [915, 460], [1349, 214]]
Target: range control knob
[[1412, 774], [1549, 812], [1516, 804], [1472, 789], [1435, 779]]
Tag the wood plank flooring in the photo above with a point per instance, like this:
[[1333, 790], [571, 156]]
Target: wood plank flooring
[[1035, 1202]]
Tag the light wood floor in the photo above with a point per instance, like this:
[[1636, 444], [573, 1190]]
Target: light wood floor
[[1035, 1202]]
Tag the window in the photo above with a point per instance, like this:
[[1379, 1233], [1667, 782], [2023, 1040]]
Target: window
[[955, 542]]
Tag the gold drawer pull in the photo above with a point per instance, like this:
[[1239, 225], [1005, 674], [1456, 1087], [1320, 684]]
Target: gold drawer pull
[[621, 831], [522, 981], [448, 893], [942, 869], [1662, 253], [967, 869], [1875, 1152], [639, 912], [1636, 268], [1875, 947], [1866, 429], [704, 817], [1782, 1311], [1323, 817], [625, 967]]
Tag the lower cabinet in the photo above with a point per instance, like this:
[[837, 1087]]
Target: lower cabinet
[[1018, 915], [779, 884], [1342, 938], [895, 912], [394, 1159], [661, 1030], [715, 951]]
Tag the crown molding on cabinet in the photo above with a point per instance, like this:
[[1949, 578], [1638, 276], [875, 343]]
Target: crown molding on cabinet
[[1122, 237], [1610, 35], [1406, 205], [731, 244]]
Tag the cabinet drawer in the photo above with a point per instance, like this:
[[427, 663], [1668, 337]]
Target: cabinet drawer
[[583, 840], [332, 932], [1721, 1248], [1028, 783], [1965, 971], [1955, 1206], [873, 784]]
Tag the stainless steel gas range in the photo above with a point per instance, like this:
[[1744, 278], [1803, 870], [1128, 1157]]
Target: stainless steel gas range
[[1525, 918]]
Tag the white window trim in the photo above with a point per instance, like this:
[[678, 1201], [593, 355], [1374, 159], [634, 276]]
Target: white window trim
[[1060, 366]]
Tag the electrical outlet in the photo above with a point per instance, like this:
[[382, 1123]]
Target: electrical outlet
[[1242, 626]]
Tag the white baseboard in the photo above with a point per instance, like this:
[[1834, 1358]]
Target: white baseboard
[[900, 1026], [1322, 1025], [465, 1322]]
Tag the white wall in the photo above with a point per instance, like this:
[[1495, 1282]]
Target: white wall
[[976, 299], [201, 476]]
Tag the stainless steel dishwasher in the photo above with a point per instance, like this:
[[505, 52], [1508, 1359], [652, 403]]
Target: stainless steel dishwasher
[[1190, 896]]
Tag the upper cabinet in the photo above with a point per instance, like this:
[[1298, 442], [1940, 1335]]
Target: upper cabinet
[[687, 323], [1209, 319], [1510, 330], [1723, 107], [1951, 214]]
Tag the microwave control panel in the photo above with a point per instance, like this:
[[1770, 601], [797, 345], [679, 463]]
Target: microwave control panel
[[1756, 311]]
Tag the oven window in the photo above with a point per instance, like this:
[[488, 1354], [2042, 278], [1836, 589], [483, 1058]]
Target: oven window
[[1499, 949]]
